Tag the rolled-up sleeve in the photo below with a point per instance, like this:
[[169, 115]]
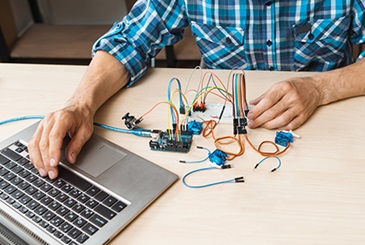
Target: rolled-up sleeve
[[150, 25]]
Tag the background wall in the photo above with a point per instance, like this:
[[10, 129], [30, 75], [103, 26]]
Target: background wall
[[83, 11], [70, 12], [22, 15]]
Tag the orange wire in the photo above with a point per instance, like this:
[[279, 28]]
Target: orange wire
[[211, 124], [209, 127], [209, 130], [277, 152], [233, 139]]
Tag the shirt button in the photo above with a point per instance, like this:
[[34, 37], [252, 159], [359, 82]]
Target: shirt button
[[268, 43], [271, 68], [228, 40], [268, 4], [310, 36]]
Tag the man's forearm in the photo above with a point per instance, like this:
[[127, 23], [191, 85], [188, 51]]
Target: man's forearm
[[341, 83], [103, 78]]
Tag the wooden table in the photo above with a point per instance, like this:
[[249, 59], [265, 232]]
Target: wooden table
[[316, 197]]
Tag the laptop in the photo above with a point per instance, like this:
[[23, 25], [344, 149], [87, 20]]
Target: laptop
[[89, 203]]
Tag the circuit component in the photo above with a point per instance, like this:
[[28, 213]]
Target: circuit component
[[130, 121], [214, 111], [283, 138], [195, 127], [218, 157], [162, 141]]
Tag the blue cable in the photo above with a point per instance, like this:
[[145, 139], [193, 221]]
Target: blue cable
[[274, 169], [15, 119], [234, 180], [137, 132], [198, 161], [120, 130]]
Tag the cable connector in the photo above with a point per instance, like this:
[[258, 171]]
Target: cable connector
[[226, 166], [239, 126], [142, 132], [221, 114], [239, 179], [182, 109], [199, 106], [156, 134]]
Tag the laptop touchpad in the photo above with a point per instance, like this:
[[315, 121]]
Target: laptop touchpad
[[96, 157]]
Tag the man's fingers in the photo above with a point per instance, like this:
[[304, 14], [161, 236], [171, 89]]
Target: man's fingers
[[44, 150], [257, 100], [56, 136], [35, 154], [282, 121], [53, 173], [265, 102], [272, 113], [77, 142]]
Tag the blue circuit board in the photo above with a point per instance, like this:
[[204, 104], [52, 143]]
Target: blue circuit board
[[164, 142]]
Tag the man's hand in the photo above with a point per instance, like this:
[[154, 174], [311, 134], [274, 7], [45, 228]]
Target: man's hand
[[104, 77], [290, 103], [285, 105], [46, 144]]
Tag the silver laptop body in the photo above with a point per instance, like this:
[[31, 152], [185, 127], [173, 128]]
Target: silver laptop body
[[122, 175]]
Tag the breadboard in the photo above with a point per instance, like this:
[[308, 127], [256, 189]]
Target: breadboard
[[212, 112]]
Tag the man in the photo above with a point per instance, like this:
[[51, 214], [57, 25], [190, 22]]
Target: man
[[261, 34]]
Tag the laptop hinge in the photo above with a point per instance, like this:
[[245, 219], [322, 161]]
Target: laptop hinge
[[9, 238], [7, 234]]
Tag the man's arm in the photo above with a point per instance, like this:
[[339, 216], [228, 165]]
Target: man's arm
[[103, 78], [290, 103]]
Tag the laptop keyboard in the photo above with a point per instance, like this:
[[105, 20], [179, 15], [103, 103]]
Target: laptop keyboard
[[69, 208]]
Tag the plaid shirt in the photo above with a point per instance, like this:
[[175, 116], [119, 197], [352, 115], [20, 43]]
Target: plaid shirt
[[293, 35]]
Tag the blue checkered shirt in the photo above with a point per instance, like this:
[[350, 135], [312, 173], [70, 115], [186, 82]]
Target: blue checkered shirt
[[294, 35]]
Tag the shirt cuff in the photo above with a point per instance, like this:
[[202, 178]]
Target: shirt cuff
[[117, 45], [362, 55]]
